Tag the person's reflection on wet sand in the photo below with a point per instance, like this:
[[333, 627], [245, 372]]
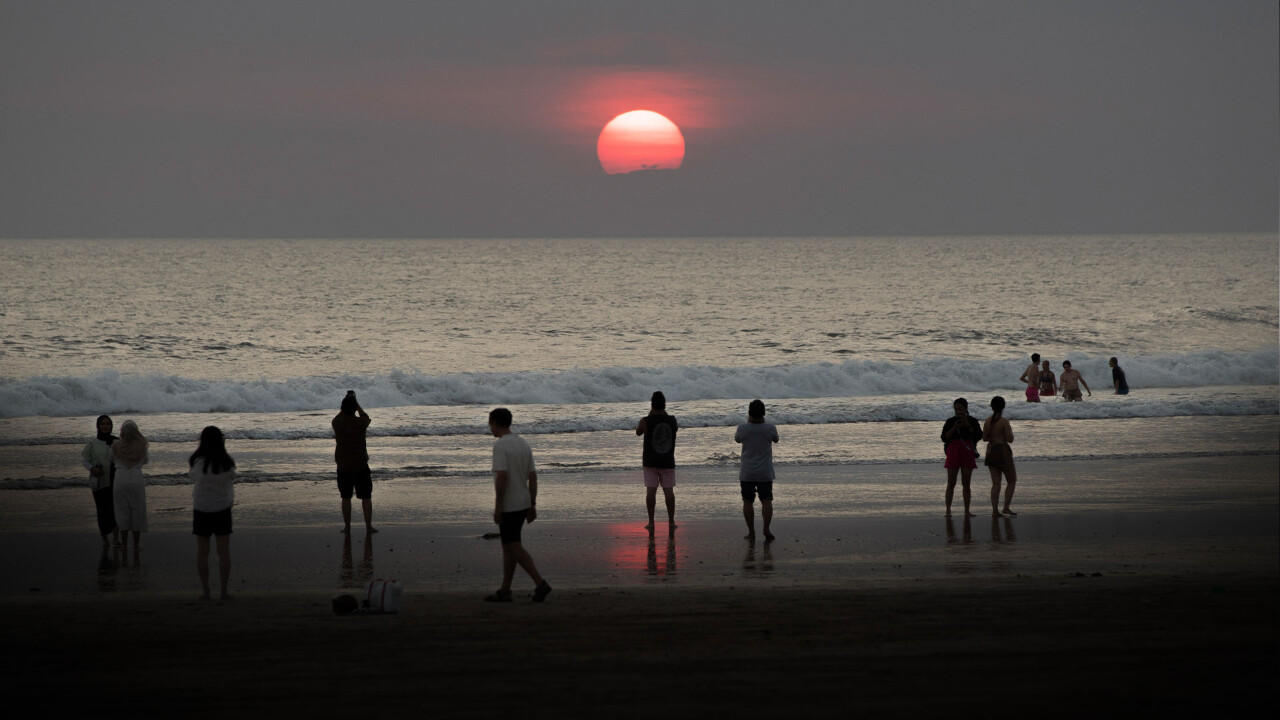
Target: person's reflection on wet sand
[[351, 575], [751, 566], [107, 570], [1008, 535], [669, 565], [967, 539]]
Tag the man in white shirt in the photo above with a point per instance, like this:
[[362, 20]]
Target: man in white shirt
[[515, 483]]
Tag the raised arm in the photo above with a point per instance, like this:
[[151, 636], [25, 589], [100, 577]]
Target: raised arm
[[641, 427]]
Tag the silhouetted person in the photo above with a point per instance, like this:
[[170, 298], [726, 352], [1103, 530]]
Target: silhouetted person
[[659, 458], [755, 475], [998, 434], [515, 484], [960, 435], [96, 458], [213, 475], [1118, 380], [352, 456]]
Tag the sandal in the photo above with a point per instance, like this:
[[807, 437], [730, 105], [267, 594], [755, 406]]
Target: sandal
[[499, 596]]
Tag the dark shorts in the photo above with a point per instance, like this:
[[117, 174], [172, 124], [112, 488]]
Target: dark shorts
[[211, 523], [361, 481], [751, 487], [510, 526]]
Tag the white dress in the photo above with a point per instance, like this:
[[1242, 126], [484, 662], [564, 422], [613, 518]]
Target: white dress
[[130, 496]]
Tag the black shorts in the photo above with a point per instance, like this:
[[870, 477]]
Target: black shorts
[[205, 524], [361, 481], [510, 526], [751, 487]]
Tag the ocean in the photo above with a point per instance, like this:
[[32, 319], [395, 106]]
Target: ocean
[[856, 345]]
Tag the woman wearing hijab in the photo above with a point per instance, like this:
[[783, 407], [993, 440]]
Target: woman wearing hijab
[[213, 475], [96, 458], [129, 454]]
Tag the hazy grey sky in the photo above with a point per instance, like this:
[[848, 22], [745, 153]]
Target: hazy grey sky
[[299, 118]]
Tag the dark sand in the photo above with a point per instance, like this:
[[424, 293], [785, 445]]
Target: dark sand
[[1170, 605], [1064, 646]]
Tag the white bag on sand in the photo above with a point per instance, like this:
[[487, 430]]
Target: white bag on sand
[[383, 596]]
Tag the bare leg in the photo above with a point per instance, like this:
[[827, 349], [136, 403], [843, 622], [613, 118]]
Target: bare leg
[[749, 514], [346, 515], [766, 512], [670, 495], [995, 491], [951, 487], [650, 502], [224, 564], [965, 475], [202, 564], [367, 505], [1011, 480], [514, 554]]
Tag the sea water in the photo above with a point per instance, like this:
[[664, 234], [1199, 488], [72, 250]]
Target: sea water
[[856, 345]]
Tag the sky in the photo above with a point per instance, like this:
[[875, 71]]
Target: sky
[[310, 118]]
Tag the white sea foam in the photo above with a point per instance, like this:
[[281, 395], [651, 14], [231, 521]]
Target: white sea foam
[[121, 392]]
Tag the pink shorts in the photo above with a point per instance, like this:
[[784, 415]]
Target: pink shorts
[[960, 455], [653, 477], [1033, 394]]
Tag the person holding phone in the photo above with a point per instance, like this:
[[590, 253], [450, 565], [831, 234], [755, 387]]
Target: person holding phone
[[352, 457]]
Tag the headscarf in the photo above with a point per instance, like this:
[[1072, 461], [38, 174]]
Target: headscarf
[[106, 437], [132, 446]]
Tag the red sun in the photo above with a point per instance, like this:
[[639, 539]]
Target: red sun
[[640, 140]]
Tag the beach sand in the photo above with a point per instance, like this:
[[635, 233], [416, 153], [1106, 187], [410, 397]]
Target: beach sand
[[1167, 605]]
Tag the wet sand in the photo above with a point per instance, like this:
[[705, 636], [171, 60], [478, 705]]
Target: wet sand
[[1169, 605]]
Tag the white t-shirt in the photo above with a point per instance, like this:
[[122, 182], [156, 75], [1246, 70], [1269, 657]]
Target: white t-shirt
[[514, 456], [211, 492]]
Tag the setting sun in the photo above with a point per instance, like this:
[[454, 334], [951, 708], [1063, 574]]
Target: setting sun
[[640, 140]]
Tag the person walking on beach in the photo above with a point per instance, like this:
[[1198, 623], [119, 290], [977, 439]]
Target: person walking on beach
[[1071, 382], [352, 457], [1117, 378], [1048, 381], [213, 475], [997, 432], [960, 436], [659, 458], [755, 476], [1031, 376], [96, 458], [515, 484], [129, 493]]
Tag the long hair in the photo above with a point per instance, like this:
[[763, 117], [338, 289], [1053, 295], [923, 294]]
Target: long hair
[[997, 406], [213, 448]]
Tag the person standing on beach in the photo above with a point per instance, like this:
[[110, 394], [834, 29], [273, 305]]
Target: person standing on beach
[[1048, 381], [129, 493], [960, 435], [96, 458], [1117, 378], [1071, 382], [1031, 376], [515, 484], [756, 473], [659, 458], [352, 457], [213, 475], [997, 432]]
